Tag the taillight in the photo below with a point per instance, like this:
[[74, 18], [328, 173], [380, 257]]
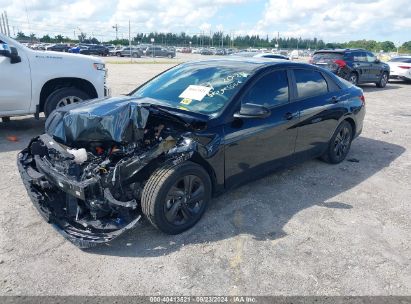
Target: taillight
[[362, 99], [404, 67], [341, 63]]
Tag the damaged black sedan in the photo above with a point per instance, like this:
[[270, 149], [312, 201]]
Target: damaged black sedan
[[188, 134]]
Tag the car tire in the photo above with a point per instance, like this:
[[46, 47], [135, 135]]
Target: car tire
[[383, 80], [62, 97], [165, 201], [340, 144], [118, 54], [170, 56], [135, 55], [353, 78]]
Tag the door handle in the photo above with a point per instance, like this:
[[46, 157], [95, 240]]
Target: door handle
[[290, 116]]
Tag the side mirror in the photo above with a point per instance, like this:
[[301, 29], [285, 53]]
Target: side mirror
[[14, 58], [11, 53], [377, 60], [251, 110]]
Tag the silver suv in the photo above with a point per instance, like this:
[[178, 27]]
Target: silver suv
[[126, 52]]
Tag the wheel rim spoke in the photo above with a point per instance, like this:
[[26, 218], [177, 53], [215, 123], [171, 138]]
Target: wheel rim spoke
[[186, 212], [175, 193], [184, 200], [171, 214]]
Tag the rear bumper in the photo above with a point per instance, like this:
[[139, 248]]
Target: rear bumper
[[50, 200]]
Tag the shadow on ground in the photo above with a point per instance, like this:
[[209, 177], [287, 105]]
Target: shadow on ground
[[373, 88], [23, 129], [262, 208]]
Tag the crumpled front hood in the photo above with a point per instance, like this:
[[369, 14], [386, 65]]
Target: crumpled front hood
[[116, 119]]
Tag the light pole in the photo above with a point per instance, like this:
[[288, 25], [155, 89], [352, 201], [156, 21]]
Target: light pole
[[152, 47]]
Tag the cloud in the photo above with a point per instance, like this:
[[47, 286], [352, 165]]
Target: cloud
[[336, 20], [330, 20]]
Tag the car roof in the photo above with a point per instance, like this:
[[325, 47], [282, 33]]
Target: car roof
[[338, 50], [251, 64]]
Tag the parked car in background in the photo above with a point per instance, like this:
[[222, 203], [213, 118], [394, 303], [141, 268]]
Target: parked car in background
[[196, 51], [59, 47], [355, 65], [186, 50], [219, 52], [94, 49], [271, 55], [196, 137], [400, 68], [76, 49], [158, 51], [295, 54], [127, 52], [206, 51], [32, 81]]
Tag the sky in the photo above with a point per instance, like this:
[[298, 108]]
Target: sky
[[332, 21]]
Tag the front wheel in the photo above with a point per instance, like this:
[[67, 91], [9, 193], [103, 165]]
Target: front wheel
[[63, 97], [340, 144], [383, 80], [176, 196]]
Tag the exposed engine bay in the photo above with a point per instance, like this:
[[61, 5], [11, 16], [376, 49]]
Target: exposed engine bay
[[87, 179]]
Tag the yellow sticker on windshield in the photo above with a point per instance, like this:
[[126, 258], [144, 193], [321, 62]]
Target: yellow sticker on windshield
[[183, 108], [186, 101]]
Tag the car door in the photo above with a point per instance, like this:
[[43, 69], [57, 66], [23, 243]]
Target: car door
[[318, 98], [375, 67], [254, 146], [15, 83], [362, 66]]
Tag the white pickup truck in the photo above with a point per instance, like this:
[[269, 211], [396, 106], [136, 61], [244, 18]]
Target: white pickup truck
[[32, 82]]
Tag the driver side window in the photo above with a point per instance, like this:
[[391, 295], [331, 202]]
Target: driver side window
[[269, 91]]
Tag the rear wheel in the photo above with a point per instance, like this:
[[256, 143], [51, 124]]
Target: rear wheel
[[340, 144], [176, 196], [63, 97], [118, 54], [383, 80], [353, 78]]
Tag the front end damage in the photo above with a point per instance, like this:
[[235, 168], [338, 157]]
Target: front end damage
[[86, 174]]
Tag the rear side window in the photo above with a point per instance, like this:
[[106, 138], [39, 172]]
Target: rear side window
[[327, 56], [269, 91], [310, 83], [360, 56]]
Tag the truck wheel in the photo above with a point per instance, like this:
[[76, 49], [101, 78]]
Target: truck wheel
[[176, 196], [63, 97]]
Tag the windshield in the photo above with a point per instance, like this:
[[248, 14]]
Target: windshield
[[198, 87]]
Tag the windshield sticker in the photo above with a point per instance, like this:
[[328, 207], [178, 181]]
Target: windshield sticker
[[183, 108], [186, 101], [195, 92]]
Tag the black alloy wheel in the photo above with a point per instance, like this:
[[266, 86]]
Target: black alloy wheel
[[176, 196], [340, 144]]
